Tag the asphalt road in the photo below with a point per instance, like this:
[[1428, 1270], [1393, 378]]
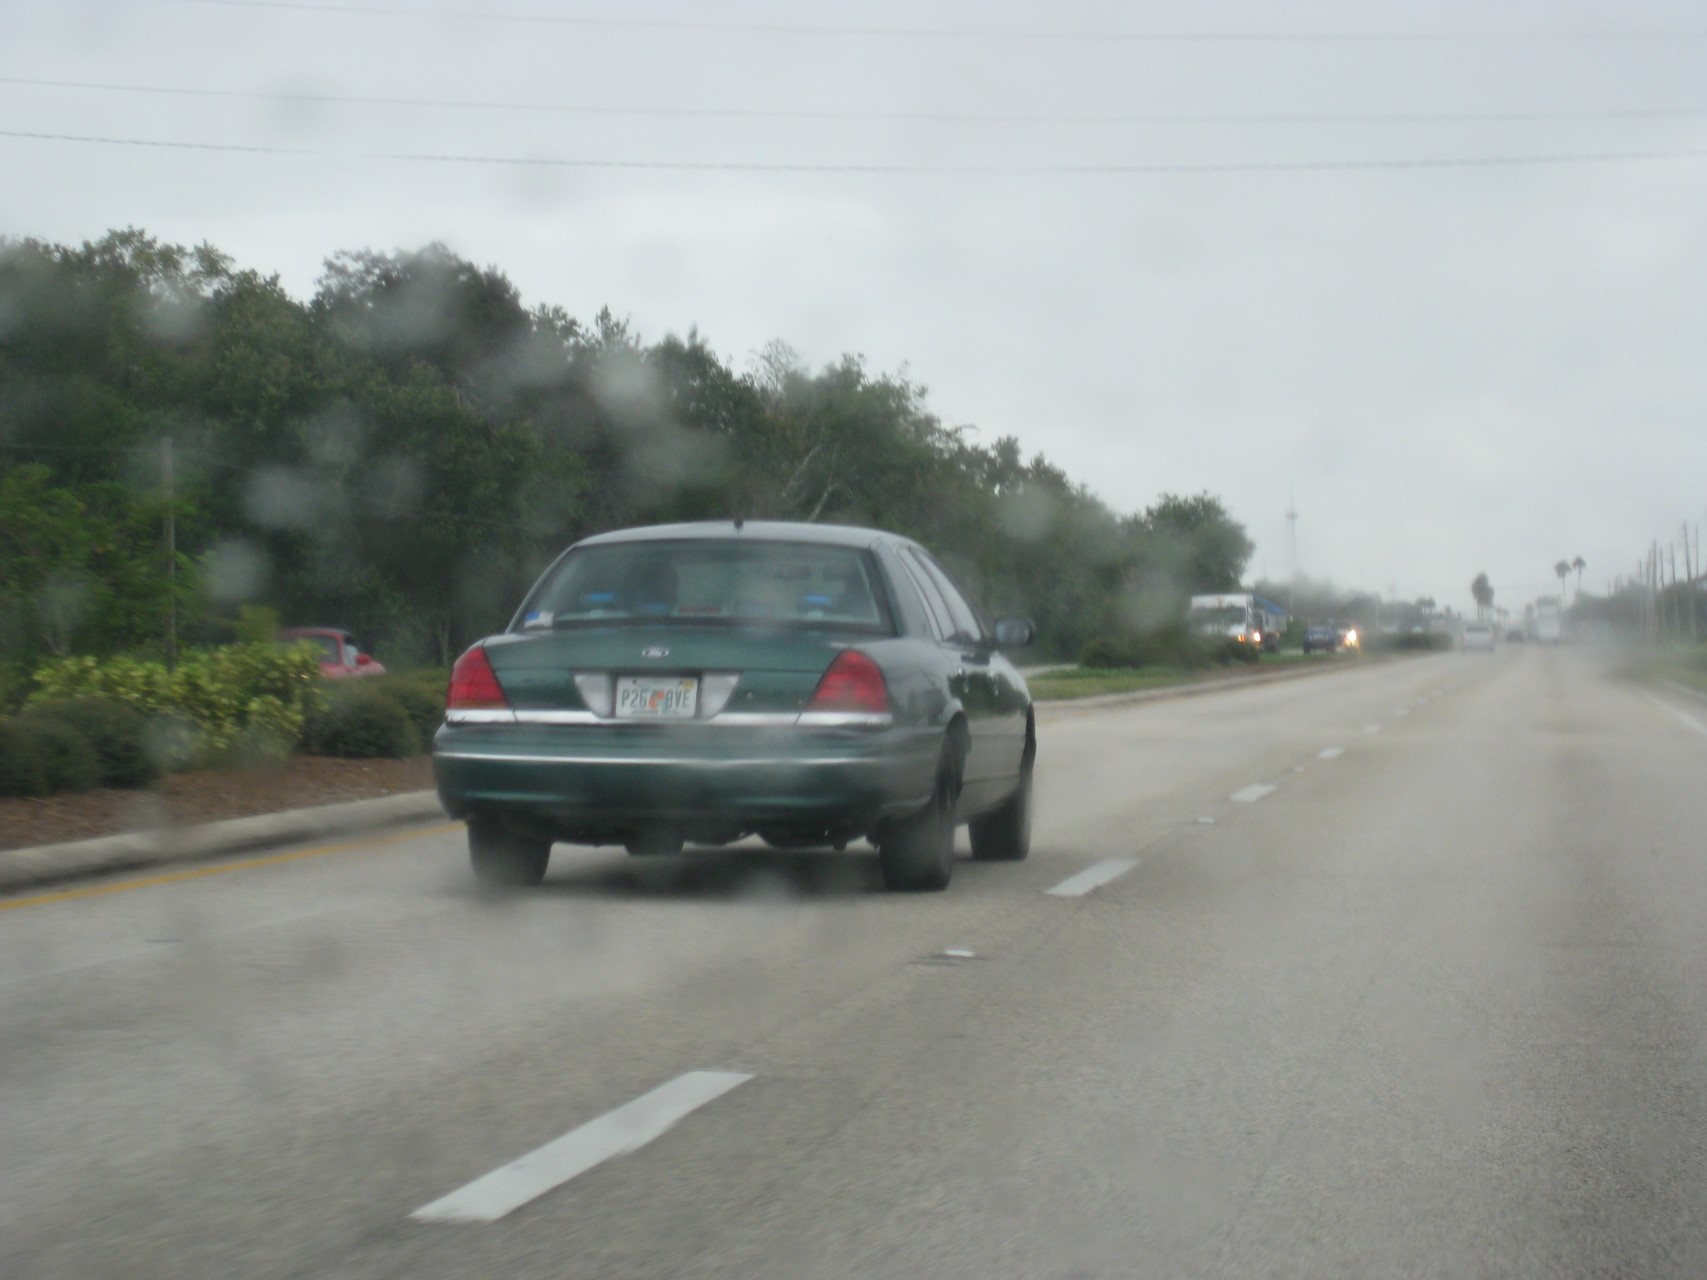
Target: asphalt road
[[1399, 971]]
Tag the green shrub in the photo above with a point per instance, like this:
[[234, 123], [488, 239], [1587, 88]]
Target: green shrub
[[136, 682], [1170, 645], [176, 743], [1175, 645], [39, 757], [225, 693], [424, 704], [434, 679], [272, 725], [360, 723], [71, 760], [1107, 653], [256, 624], [119, 735], [1234, 651], [23, 769]]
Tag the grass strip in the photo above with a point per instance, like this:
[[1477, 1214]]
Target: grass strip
[[1093, 682]]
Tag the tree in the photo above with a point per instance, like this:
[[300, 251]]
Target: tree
[[80, 569], [1579, 564], [1195, 542], [1563, 570], [1483, 593], [403, 452]]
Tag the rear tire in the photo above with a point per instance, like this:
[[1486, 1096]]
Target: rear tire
[[1005, 835], [917, 853], [504, 859]]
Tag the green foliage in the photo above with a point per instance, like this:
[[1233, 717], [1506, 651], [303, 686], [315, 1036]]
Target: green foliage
[[136, 682], [40, 756], [70, 759], [1234, 652], [359, 722], [1171, 645], [226, 694], [80, 568], [422, 701], [1194, 544], [257, 624], [403, 452], [1109, 653], [118, 734], [23, 765], [270, 733]]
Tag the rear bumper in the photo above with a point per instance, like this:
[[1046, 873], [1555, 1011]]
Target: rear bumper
[[600, 783]]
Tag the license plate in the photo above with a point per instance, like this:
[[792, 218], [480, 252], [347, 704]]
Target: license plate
[[656, 697]]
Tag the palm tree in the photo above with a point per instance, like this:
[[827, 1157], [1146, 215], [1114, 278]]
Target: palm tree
[[1563, 569], [1579, 564], [1483, 593]]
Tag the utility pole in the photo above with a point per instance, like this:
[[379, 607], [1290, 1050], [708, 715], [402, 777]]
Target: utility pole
[[1676, 621], [1642, 576], [1291, 545], [171, 553], [1689, 582]]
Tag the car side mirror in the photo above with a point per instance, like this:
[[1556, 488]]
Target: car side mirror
[[1014, 633]]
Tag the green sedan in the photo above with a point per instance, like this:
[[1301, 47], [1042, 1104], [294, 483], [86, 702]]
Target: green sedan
[[704, 683]]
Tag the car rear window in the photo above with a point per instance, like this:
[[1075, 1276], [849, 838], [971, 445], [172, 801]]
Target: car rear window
[[712, 582]]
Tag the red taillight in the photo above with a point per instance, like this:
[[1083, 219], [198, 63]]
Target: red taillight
[[853, 683], [473, 685]]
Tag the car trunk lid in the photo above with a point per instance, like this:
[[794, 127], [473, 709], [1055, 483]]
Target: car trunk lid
[[729, 670]]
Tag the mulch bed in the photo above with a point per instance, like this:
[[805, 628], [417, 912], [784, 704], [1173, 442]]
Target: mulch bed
[[188, 798]]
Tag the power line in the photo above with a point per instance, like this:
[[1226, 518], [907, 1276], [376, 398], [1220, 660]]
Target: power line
[[855, 168], [888, 117], [1081, 35]]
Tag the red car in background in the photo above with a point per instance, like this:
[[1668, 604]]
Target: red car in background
[[339, 656]]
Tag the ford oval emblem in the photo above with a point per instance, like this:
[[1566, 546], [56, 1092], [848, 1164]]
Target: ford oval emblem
[[655, 651]]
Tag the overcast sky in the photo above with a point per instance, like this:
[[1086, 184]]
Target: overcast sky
[[1453, 368]]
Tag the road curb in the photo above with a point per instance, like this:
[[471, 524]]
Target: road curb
[[1201, 687], [75, 859]]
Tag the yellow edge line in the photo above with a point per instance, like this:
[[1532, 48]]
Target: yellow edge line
[[248, 864]]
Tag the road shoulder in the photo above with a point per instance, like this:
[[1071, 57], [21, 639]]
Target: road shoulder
[[77, 859]]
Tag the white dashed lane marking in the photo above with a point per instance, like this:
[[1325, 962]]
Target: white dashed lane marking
[[1093, 877], [1331, 753], [1372, 728], [616, 1133], [1251, 794]]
